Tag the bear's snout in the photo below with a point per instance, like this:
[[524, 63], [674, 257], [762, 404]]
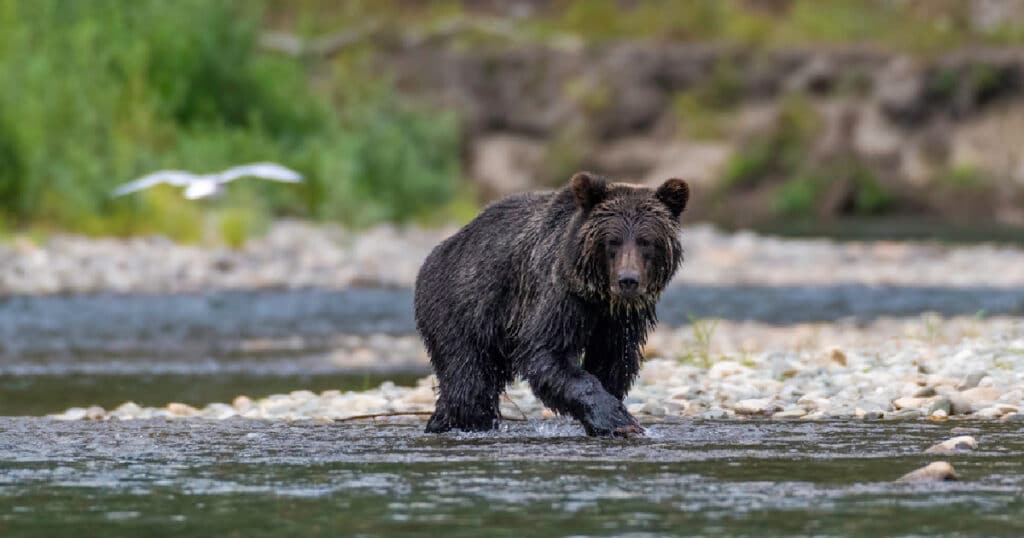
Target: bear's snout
[[629, 283], [627, 271]]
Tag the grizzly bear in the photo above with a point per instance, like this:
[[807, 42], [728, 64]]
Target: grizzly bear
[[556, 288]]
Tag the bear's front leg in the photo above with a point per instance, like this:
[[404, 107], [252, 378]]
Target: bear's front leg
[[565, 387]]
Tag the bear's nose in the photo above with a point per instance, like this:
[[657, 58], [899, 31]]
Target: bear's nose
[[629, 282]]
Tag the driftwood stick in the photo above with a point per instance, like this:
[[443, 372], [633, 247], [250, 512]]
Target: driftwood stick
[[374, 416]]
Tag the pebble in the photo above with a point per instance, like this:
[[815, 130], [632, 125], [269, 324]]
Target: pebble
[[956, 444], [181, 410], [902, 414], [755, 406], [938, 471], [879, 382]]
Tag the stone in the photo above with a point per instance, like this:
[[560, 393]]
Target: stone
[[789, 413], [941, 404], [989, 413], [242, 403], [971, 381], [126, 411], [218, 411], [907, 402], [938, 471], [181, 410], [868, 414], [716, 413], [653, 410], [903, 414], [956, 444], [74, 413], [755, 406], [925, 392], [979, 397]]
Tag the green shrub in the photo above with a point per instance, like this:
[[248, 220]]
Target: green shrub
[[962, 177], [96, 93], [802, 194], [778, 153]]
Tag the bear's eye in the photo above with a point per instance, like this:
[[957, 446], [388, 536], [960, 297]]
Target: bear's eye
[[614, 243], [642, 243]]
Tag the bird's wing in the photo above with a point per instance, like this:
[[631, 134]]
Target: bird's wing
[[271, 171], [177, 178]]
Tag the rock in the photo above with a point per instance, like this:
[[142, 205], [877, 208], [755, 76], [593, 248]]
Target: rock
[[868, 414], [811, 402], [938, 471], [903, 414], [837, 356], [181, 410], [218, 411], [1012, 397], [74, 413], [95, 412], [1013, 417], [993, 412], [956, 444], [925, 392], [506, 164], [126, 411], [938, 414], [789, 413], [909, 403], [940, 405], [716, 413], [755, 406], [980, 397], [971, 381], [653, 410], [242, 403]]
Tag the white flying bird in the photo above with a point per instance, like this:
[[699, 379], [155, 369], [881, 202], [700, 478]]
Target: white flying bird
[[207, 185]]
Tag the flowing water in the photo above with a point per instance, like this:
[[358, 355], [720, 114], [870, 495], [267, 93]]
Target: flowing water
[[155, 478], [250, 478]]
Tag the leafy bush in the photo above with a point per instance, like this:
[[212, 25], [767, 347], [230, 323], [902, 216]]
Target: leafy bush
[[95, 93], [778, 153]]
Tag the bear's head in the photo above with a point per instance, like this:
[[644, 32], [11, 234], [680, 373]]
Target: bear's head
[[626, 245]]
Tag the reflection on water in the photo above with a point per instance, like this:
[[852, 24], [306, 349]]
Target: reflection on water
[[275, 478]]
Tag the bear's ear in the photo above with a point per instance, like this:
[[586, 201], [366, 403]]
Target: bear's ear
[[674, 193], [589, 190]]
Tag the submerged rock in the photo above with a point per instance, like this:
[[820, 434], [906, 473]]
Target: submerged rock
[[938, 471], [956, 444]]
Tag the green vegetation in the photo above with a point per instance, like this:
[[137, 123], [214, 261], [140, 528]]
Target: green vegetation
[[703, 333], [705, 111], [923, 26], [962, 177], [783, 159], [859, 191], [778, 153], [96, 93]]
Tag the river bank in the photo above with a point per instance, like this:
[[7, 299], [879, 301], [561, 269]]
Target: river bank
[[929, 369], [295, 255]]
